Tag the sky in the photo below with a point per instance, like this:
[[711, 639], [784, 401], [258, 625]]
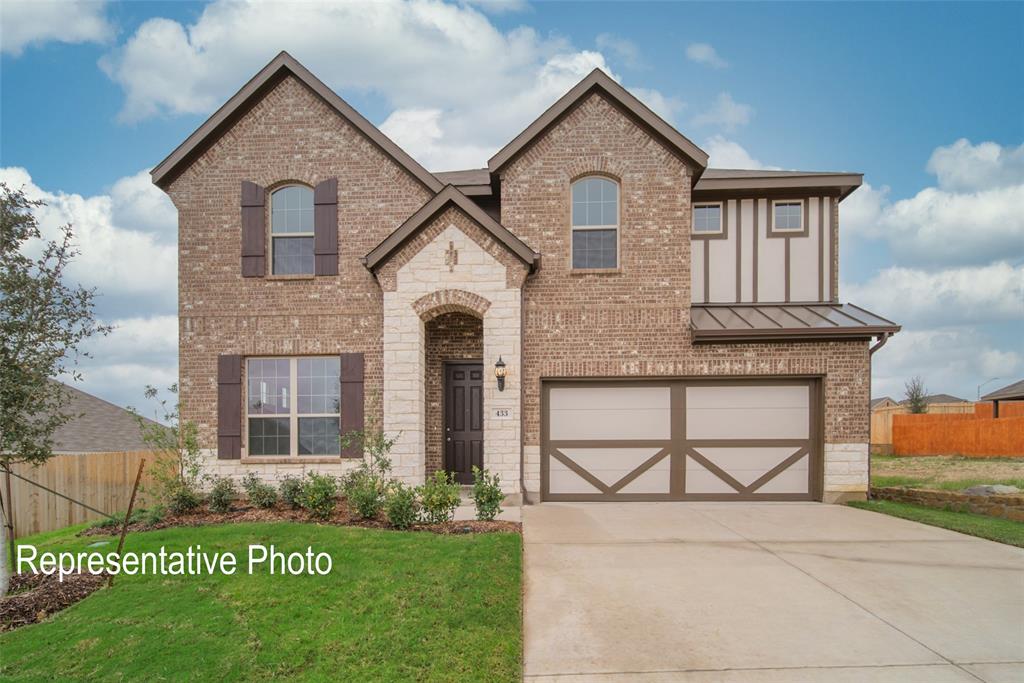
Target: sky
[[926, 100]]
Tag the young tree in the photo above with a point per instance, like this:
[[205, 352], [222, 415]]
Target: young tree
[[915, 392], [43, 320]]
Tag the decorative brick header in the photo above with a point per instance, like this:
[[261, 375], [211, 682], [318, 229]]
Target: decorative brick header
[[444, 301]]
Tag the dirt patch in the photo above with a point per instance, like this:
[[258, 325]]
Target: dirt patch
[[34, 597], [948, 468], [341, 516]]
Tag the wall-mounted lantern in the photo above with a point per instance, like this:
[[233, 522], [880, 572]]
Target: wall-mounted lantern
[[500, 372]]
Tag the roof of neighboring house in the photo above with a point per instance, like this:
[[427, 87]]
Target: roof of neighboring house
[[101, 427], [785, 322], [269, 76], [940, 398], [449, 195], [599, 80], [883, 399], [1011, 392]]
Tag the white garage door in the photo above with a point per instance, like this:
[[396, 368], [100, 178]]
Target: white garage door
[[736, 439]]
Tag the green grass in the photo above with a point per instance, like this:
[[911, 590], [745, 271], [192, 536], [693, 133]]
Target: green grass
[[983, 526], [928, 483], [397, 606]]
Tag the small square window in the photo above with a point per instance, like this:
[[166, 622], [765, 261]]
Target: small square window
[[707, 218], [788, 216]]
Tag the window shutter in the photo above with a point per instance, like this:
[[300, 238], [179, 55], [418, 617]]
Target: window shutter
[[229, 407], [254, 230], [351, 399], [325, 227]]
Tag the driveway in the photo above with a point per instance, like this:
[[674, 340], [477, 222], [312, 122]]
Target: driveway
[[655, 592]]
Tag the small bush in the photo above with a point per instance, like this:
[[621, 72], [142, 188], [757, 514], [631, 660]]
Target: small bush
[[222, 494], [291, 491], [439, 497], [183, 499], [365, 494], [319, 493], [401, 506], [146, 516], [153, 515], [260, 494], [487, 495]]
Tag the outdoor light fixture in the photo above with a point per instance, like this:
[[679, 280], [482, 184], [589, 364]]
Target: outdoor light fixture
[[500, 372]]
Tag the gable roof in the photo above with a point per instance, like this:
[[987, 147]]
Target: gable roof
[[100, 426], [883, 399], [450, 195], [1011, 392], [269, 76], [599, 80], [939, 398]]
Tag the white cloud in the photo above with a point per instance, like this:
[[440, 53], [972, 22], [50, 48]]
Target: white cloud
[[704, 53], [955, 296], [963, 167], [623, 49], [725, 153], [125, 262], [725, 113], [35, 22], [444, 66], [950, 361]]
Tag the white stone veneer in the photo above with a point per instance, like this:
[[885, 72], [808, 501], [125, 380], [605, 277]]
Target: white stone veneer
[[846, 468]]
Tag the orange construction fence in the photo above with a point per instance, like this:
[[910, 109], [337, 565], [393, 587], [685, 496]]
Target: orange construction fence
[[973, 435]]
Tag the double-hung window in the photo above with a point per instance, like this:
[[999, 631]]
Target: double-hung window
[[291, 230], [595, 223], [293, 406]]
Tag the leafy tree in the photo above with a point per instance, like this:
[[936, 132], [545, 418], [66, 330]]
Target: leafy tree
[[915, 393], [43, 322]]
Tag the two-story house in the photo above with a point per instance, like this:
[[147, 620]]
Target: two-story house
[[595, 315]]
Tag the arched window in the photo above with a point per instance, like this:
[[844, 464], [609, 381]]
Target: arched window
[[291, 230], [595, 223]]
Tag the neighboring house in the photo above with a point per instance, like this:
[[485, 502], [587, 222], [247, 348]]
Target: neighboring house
[[1011, 392], [663, 331], [938, 398], [98, 427], [884, 402]]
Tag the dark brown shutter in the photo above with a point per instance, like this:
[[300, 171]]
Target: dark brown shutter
[[229, 407], [325, 227], [254, 230], [351, 399]]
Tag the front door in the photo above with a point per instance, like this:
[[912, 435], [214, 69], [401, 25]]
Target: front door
[[463, 419]]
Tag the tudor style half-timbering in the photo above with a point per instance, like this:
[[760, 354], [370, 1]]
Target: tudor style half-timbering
[[662, 330]]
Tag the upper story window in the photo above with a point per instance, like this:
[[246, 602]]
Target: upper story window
[[595, 223], [291, 230], [707, 218], [788, 216], [293, 406]]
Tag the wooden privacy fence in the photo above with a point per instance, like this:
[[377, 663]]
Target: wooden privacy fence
[[968, 435], [881, 421], [100, 480]]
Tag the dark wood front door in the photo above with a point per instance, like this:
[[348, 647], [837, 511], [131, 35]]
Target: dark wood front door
[[463, 419]]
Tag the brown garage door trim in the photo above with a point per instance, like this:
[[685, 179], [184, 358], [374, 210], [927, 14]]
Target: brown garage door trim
[[677, 447]]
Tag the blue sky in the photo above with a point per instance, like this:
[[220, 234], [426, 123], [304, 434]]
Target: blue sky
[[927, 100]]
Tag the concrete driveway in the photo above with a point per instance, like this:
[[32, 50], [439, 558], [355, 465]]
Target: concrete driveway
[[764, 592]]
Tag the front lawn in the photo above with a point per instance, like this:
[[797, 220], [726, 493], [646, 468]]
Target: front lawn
[[983, 526], [397, 606], [944, 472]]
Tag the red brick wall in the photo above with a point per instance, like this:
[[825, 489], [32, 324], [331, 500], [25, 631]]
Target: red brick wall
[[635, 321], [452, 336], [290, 135]]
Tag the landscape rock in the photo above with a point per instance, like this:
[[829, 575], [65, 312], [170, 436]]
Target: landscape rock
[[991, 490]]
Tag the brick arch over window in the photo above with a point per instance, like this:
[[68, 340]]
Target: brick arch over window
[[443, 301], [596, 165]]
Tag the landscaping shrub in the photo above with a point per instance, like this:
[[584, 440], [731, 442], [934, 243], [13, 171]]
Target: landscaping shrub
[[365, 493], [439, 497], [319, 493], [291, 491], [401, 505], [487, 495], [182, 499], [222, 494], [153, 515], [148, 516], [260, 494]]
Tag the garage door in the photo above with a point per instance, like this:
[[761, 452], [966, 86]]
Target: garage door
[[736, 439]]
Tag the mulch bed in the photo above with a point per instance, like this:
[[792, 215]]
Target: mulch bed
[[341, 516], [34, 597]]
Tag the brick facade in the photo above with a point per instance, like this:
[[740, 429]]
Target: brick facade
[[450, 336]]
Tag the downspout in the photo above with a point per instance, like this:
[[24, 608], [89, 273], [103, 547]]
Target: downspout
[[522, 393], [871, 351]]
